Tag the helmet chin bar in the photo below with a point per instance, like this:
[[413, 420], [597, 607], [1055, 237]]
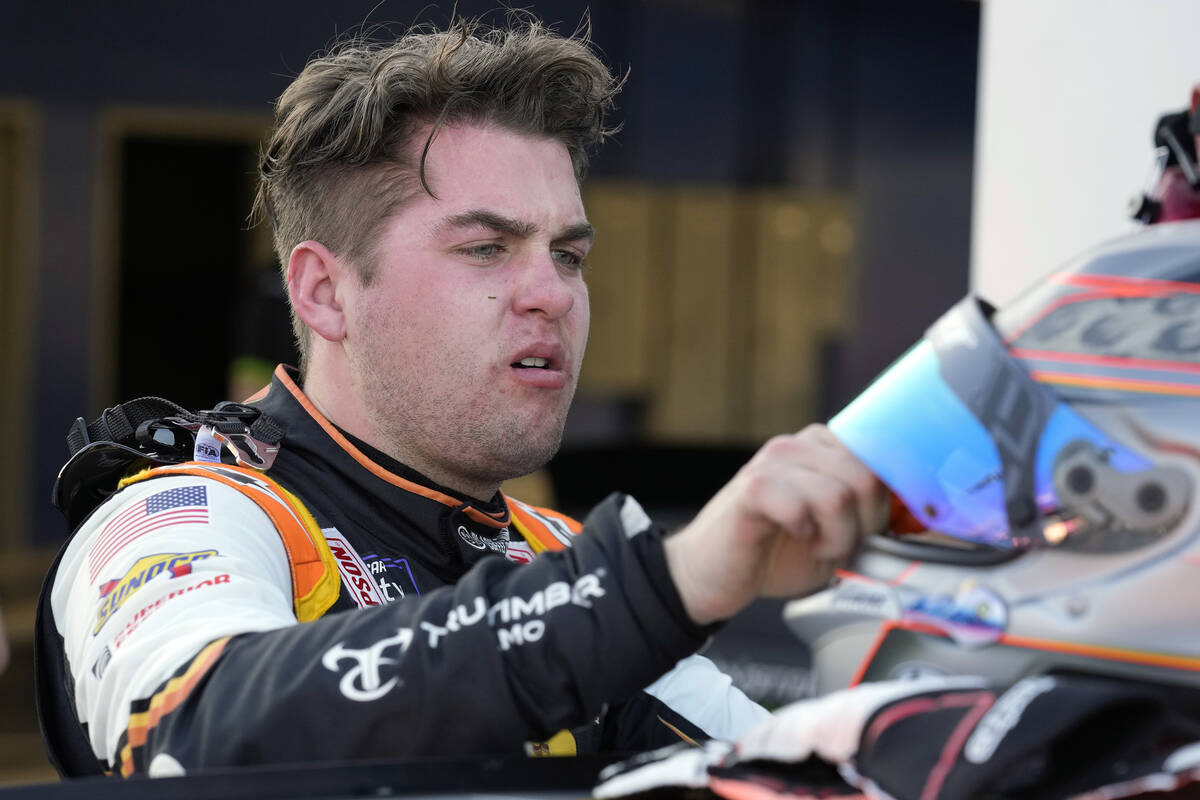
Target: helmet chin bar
[[1104, 511], [913, 548]]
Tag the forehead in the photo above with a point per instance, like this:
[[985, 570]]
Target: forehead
[[484, 166]]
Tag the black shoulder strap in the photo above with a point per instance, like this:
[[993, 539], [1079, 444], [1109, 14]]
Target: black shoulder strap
[[158, 424], [150, 431]]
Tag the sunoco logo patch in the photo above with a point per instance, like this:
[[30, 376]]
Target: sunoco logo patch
[[114, 593]]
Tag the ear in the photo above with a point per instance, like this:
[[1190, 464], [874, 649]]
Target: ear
[[313, 277]]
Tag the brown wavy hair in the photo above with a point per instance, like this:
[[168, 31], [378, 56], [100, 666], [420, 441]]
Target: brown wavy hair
[[342, 158]]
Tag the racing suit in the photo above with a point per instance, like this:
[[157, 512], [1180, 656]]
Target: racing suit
[[430, 628]]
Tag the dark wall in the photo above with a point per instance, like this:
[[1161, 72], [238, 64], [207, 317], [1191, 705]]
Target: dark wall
[[872, 98], [912, 150]]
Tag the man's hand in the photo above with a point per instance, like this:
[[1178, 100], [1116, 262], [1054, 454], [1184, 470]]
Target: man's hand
[[792, 514]]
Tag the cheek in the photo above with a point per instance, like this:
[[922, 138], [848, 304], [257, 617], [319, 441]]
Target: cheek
[[583, 312], [461, 324], [419, 307], [397, 332]]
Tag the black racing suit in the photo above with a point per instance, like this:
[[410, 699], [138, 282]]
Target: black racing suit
[[441, 640]]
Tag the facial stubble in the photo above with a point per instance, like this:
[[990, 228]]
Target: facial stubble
[[462, 436]]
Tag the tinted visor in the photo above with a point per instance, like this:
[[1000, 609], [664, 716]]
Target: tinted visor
[[967, 439]]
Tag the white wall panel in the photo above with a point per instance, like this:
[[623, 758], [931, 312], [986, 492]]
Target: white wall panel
[[1069, 92]]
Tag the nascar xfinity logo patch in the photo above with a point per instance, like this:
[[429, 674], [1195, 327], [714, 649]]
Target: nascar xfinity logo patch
[[115, 592]]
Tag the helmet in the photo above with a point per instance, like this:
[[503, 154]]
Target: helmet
[[1044, 461], [1174, 192]]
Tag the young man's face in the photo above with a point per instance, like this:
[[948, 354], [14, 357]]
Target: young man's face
[[466, 347]]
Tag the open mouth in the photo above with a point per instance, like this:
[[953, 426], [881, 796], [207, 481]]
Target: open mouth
[[532, 362]]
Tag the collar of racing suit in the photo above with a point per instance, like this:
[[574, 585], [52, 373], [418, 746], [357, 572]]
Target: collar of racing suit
[[354, 487], [494, 507]]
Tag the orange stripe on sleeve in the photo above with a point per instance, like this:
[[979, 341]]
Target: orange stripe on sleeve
[[166, 701], [678, 732], [534, 524], [315, 581]]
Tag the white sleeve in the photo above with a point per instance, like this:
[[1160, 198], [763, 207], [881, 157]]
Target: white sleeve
[[161, 569], [698, 691]]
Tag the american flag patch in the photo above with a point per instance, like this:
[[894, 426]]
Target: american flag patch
[[184, 505]]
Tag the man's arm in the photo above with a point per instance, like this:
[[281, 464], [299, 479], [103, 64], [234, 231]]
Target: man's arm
[[791, 515], [694, 701], [510, 653], [780, 527]]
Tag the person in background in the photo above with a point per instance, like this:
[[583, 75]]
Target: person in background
[[1175, 194]]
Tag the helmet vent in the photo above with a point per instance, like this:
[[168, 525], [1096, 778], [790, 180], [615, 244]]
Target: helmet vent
[[1081, 479], [1151, 497]]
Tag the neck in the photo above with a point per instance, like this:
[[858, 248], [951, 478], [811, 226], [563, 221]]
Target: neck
[[332, 391]]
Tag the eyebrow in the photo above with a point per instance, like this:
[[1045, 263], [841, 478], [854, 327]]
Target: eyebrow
[[513, 227]]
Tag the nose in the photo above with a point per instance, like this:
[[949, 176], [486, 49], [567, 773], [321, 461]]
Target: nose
[[544, 287]]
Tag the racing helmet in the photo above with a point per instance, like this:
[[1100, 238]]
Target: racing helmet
[[1044, 461]]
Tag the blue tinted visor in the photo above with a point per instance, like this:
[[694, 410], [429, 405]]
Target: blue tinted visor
[[961, 433]]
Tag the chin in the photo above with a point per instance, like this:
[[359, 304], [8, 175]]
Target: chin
[[521, 455]]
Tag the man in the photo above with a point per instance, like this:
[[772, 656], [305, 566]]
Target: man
[[426, 208]]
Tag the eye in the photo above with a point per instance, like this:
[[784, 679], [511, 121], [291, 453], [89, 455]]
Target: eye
[[482, 253], [567, 258]]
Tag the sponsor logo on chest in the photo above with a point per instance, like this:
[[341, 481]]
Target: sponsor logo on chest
[[519, 552], [497, 544], [374, 579], [394, 576], [356, 576], [514, 548]]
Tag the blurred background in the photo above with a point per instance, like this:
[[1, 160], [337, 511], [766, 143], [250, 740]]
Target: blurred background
[[788, 206]]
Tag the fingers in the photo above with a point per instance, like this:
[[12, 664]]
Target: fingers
[[871, 497], [809, 482], [791, 514], [807, 504]]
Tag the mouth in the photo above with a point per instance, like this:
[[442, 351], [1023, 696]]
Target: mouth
[[542, 366], [545, 356]]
